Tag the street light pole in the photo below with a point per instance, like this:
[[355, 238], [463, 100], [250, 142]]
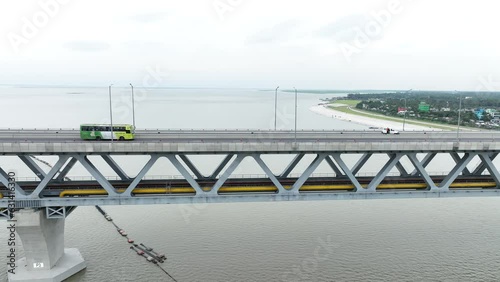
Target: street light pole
[[275, 106], [133, 106], [111, 112], [406, 109], [295, 115], [459, 111], [404, 119]]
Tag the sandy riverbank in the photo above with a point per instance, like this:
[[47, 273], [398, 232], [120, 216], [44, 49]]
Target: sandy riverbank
[[368, 121]]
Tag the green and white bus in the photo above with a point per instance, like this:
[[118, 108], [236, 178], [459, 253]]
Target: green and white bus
[[103, 132]]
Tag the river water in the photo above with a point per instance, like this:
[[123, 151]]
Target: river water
[[364, 240]]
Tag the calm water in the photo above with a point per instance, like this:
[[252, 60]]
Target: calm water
[[395, 240]]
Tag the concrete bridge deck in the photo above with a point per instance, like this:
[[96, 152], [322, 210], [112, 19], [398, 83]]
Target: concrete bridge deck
[[14, 142]]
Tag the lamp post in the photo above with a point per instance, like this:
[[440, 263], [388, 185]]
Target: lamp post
[[459, 111], [406, 109], [295, 115], [275, 106], [133, 106], [111, 112], [404, 119]]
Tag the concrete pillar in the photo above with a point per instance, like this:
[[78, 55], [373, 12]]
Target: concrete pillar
[[43, 243], [43, 239]]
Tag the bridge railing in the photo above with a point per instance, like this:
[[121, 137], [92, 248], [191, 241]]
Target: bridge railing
[[186, 130]]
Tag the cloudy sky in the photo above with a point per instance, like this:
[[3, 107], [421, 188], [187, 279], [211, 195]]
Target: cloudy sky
[[321, 44]]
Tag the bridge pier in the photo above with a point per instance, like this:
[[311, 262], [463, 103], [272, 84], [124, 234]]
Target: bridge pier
[[43, 242]]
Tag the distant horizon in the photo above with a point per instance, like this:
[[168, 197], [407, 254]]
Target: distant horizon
[[305, 90]]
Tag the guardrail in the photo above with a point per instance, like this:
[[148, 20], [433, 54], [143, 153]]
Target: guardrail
[[200, 129], [236, 130], [249, 132]]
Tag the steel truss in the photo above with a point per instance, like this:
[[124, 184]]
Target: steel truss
[[221, 173]]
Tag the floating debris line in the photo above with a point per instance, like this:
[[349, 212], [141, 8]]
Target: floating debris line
[[142, 250]]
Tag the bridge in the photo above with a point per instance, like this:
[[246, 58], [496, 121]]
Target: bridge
[[53, 195]]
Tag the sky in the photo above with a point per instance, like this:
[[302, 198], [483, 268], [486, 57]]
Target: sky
[[313, 44]]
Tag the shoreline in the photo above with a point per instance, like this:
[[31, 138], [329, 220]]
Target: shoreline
[[371, 122]]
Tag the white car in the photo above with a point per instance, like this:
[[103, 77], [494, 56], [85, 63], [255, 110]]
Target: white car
[[389, 131]]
